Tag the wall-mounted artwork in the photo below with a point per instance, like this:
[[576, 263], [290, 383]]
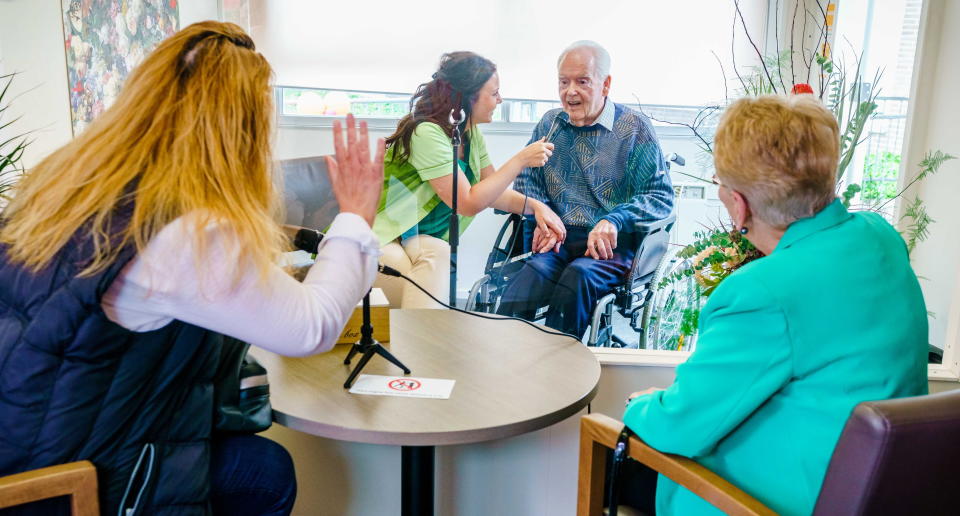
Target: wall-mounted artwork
[[105, 39]]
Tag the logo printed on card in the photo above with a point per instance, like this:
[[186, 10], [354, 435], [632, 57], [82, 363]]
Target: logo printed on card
[[404, 385]]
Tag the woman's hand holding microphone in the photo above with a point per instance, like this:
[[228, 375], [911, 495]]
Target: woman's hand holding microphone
[[537, 153], [550, 232]]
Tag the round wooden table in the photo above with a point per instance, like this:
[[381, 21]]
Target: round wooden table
[[510, 379]]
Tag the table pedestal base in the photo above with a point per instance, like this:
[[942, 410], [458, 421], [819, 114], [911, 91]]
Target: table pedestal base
[[416, 486]]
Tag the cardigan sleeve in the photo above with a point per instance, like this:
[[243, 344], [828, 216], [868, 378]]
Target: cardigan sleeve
[[653, 196], [170, 280], [743, 357]]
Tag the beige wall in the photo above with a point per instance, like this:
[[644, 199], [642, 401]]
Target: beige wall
[[31, 35], [933, 125]]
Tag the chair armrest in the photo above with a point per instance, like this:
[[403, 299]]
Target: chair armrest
[[76, 479], [599, 432]]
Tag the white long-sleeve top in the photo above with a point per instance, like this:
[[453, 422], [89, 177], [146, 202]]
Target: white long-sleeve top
[[168, 281]]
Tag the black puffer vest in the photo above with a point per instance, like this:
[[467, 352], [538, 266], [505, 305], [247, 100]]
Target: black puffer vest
[[75, 386]]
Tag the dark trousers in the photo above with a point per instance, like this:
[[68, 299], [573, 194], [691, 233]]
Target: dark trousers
[[637, 486], [570, 282], [250, 476]]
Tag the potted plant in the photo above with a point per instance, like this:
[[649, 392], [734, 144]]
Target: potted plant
[[11, 148]]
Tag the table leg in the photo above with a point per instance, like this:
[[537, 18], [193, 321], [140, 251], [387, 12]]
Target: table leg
[[416, 485]]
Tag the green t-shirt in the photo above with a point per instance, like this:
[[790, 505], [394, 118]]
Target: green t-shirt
[[408, 199], [437, 222]]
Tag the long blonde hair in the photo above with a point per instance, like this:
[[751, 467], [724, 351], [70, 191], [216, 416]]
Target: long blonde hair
[[190, 133]]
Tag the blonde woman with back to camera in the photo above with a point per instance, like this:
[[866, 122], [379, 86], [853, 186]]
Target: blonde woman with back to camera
[[126, 254]]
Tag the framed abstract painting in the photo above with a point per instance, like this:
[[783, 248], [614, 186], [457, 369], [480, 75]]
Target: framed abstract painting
[[105, 40]]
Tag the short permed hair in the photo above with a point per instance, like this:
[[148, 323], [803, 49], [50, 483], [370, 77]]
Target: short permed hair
[[601, 58], [781, 153]]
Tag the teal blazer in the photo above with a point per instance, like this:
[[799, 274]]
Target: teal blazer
[[788, 345]]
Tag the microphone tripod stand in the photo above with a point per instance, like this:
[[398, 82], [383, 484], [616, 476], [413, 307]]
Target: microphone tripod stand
[[368, 346], [455, 120]]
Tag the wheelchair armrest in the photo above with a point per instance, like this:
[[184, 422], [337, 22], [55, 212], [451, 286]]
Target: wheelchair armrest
[[599, 432], [645, 228], [520, 258]]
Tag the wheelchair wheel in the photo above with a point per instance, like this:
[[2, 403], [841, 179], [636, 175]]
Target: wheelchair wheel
[[664, 314], [647, 314]]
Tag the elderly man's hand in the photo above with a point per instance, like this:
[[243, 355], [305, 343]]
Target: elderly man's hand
[[545, 240], [602, 241]]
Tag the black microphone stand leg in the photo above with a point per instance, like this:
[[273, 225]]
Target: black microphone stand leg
[[356, 370], [369, 347], [382, 351], [354, 349]]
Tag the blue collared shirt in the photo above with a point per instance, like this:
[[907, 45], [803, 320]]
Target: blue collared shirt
[[611, 170]]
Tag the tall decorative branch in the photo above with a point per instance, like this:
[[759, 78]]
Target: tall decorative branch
[[763, 64]]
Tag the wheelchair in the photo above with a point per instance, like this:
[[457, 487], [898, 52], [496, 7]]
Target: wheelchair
[[631, 299]]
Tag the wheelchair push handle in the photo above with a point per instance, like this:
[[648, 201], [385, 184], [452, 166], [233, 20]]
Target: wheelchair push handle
[[673, 157]]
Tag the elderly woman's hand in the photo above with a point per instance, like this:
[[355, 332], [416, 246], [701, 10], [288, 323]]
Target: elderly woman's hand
[[644, 392], [356, 180]]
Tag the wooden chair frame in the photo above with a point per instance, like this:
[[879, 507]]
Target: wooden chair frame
[[78, 480], [599, 433]]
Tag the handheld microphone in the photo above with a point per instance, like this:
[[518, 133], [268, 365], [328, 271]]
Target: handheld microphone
[[553, 126], [305, 239]]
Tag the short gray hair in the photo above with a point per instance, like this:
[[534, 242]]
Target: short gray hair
[[601, 58]]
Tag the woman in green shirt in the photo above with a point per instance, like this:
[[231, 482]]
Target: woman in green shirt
[[413, 219]]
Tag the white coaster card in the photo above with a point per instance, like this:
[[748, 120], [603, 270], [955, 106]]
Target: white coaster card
[[403, 386]]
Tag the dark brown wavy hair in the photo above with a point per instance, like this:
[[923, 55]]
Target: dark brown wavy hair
[[455, 85]]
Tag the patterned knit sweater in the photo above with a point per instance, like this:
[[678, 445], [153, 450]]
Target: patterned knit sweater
[[611, 170]]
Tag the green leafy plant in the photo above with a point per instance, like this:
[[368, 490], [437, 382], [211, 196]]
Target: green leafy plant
[[915, 220], [11, 149], [880, 174]]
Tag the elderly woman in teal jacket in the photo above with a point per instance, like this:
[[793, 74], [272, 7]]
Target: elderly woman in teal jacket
[[790, 343]]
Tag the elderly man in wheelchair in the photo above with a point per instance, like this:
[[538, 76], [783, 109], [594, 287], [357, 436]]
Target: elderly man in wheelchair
[[609, 183]]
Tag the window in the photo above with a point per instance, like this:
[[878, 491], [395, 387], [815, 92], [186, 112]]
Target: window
[[377, 45], [883, 36]]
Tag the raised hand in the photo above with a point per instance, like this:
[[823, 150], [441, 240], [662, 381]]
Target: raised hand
[[357, 181]]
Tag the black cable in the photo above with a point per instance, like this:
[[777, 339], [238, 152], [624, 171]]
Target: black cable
[[513, 238], [389, 271]]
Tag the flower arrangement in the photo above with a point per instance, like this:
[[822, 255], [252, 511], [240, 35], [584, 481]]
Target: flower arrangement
[[713, 256]]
